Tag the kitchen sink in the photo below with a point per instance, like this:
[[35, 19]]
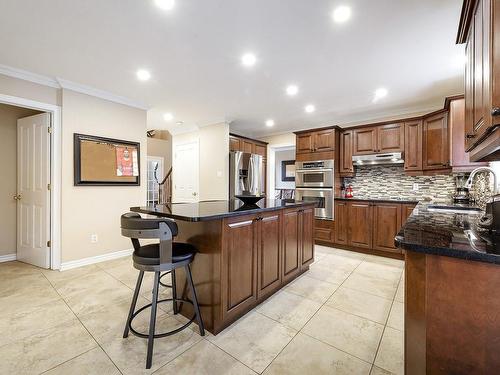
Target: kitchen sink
[[454, 209]]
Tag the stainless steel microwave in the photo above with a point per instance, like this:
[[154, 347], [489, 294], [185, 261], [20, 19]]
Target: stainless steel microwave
[[314, 173]]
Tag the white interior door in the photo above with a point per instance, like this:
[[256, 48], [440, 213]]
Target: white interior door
[[186, 172], [33, 195]]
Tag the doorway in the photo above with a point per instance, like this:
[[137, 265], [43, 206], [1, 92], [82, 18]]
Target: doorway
[[281, 178], [30, 187], [186, 172]]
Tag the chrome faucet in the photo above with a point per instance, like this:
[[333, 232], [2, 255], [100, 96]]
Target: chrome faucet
[[468, 183]]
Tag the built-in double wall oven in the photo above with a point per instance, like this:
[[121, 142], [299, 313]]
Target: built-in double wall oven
[[314, 183]]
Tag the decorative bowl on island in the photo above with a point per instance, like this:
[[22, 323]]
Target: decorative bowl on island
[[249, 199]]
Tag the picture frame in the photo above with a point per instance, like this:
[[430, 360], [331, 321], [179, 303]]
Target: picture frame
[[96, 159], [288, 170]]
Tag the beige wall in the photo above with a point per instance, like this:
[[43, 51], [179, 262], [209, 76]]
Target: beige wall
[[90, 210], [8, 182], [213, 162], [280, 140], [162, 148], [28, 90]]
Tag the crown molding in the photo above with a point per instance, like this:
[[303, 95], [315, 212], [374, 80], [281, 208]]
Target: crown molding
[[59, 83], [28, 76], [83, 89]]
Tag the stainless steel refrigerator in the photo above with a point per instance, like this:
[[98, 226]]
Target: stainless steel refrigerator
[[246, 174]]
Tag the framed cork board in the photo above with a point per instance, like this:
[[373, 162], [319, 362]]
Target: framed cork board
[[102, 161]]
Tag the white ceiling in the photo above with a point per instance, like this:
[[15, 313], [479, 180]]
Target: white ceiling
[[193, 53]]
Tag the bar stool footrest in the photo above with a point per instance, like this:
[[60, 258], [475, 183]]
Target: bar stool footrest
[[164, 334]]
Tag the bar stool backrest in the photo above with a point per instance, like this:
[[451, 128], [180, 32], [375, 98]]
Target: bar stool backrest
[[136, 227]]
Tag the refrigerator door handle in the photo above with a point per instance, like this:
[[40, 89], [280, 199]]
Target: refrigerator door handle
[[251, 175]]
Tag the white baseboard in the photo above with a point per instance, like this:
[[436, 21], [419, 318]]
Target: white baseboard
[[92, 260], [8, 257]]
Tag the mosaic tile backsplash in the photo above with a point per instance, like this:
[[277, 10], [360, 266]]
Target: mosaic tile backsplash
[[390, 182]]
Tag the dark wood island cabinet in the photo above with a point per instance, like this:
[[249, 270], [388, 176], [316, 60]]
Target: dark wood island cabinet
[[245, 255], [452, 309]]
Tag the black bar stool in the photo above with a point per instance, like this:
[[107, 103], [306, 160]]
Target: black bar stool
[[160, 257]]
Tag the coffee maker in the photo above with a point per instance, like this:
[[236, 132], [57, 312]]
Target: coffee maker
[[462, 194], [491, 218]]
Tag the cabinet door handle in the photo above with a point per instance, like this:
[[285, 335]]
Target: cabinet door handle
[[470, 135], [495, 111]]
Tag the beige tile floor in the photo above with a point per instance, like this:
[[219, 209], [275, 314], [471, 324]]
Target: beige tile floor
[[344, 316]]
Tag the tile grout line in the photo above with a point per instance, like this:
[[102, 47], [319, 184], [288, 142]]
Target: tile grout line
[[300, 330], [385, 326], [83, 325]]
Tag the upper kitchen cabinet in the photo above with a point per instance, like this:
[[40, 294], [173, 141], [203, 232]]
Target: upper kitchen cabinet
[[259, 149], [435, 151], [479, 23], [252, 146], [305, 143], [364, 141], [346, 168], [316, 145], [234, 143], [324, 140], [391, 138], [413, 146], [246, 146], [383, 138], [460, 160]]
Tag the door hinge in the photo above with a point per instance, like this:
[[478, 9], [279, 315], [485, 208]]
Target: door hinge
[[49, 129], [48, 243], [48, 186]]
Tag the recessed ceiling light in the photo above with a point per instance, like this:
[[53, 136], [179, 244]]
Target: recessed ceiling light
[[168, 117], [179, 123], [248, 59], [269, 123], [143, 75], [292, 90], [379, 94], [341, 14], [165, 4], [310, 108]]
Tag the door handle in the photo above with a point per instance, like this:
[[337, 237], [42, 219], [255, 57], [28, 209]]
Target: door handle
[[17, 197], [194, 194], [495, 111], [469, 135]]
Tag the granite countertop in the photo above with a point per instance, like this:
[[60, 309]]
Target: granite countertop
[[449, 234], [213, 210], [381, 200]]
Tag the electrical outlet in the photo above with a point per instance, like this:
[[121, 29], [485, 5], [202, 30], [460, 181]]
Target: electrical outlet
[[415, 187], [93, 238]]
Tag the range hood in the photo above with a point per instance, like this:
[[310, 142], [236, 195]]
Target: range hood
[[377, 159]]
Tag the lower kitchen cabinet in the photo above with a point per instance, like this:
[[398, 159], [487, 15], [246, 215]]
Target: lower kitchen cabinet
[[324, 230], [364, 225], [291, 244], [239, 269], [261, 253], [298, 242], [269, 253], [341, 223], [360, 224], [307, 236], [406, 210], [386, 224]]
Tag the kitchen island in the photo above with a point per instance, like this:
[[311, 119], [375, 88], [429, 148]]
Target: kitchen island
[[452, 303], [246, 253]]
